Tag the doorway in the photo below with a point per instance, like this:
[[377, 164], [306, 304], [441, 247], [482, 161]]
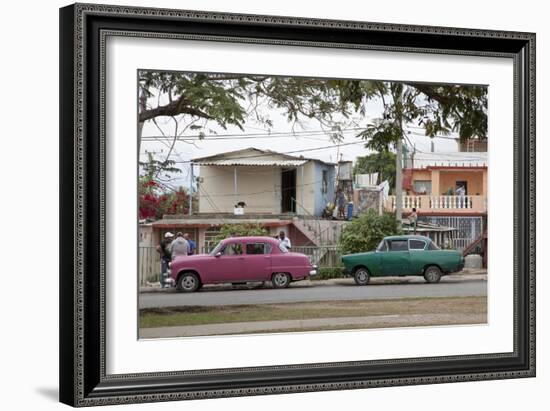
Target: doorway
[[288, 190], [463, 184]]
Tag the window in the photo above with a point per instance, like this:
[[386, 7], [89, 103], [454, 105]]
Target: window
[[382, 246], [417, 245], [422, 187], [399, 245], [233, 249], [258, 248]]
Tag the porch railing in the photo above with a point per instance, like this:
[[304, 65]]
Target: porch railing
[[444, 202]]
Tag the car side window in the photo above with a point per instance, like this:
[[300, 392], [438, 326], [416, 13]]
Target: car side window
[[258, 248], [383, 246], [399, 245], [417, 245], [233, 249]]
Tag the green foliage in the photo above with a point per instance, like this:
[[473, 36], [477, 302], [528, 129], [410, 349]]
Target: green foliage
[[438, 109], [241, 230], [232, 99], [156, 170], [381, 162], [365, 232]]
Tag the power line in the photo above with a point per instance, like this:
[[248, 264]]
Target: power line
[[254, 135]]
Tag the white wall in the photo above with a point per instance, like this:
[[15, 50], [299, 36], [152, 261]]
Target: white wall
[[28, 300], [258, 187]]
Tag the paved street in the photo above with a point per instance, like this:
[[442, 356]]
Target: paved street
[[342, 289]]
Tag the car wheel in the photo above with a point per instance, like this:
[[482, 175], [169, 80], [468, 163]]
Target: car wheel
[[280, 280], [188, 282], [361, 276], [432, 274]]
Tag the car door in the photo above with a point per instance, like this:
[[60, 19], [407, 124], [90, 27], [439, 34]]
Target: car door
[[258, 261], [396, 261], [230, 265], [418, 255]]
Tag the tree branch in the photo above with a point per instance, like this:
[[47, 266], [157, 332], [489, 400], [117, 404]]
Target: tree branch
[[172, 109]]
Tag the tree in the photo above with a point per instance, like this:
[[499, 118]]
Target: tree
[[438, 109], [155, 202], [365, 232], [232, 99], [382, 162], [241, 230], [156, 196]]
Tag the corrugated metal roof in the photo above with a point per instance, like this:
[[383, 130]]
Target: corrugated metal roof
[[453, 159], [252, 162], [254, 157]]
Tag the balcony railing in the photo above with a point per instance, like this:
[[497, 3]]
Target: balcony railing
[[437, 203]]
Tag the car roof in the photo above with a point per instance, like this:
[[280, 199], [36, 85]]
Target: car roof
[[250, 239], [407, 237]]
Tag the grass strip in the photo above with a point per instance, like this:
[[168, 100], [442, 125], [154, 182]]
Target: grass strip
[[197, 315]]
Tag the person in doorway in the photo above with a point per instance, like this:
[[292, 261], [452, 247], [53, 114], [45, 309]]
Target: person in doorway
[[284, 241], [179, 247], [164, 250], [192, 244]]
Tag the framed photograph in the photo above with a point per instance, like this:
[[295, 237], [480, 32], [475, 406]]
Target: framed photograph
[[259, 204]]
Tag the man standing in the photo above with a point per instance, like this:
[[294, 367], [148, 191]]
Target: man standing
[[341, 203], [192, 244], [179, 247], [164, 250], [284, 241], [413, 219]]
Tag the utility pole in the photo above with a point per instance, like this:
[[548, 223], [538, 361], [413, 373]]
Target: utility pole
[[399, 159], [190, 189]]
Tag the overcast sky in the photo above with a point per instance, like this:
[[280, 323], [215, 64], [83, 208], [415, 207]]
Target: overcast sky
[[308, 138]]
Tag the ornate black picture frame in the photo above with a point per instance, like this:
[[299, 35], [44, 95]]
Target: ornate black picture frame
[[83, 29]]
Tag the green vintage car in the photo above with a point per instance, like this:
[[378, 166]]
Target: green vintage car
[[403, 255]]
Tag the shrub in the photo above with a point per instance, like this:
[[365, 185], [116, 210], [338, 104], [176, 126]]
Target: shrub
[[241, 230], [365, 232], [326, 273]]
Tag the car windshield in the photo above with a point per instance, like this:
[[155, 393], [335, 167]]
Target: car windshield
[[382, 246], [217, 249]]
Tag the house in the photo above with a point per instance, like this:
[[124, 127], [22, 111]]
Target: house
[[445, 183], [277, 191], [447, 189], [264, 181]]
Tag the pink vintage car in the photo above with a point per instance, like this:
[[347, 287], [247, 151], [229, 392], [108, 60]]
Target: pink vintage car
[[241, 260]]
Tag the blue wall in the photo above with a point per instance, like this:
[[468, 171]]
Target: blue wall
[[321, 199]]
